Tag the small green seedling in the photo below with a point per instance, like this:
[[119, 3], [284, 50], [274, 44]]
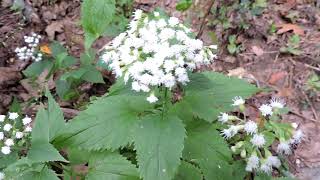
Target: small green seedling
[[293, 45]]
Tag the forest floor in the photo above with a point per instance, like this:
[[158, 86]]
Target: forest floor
[[266, 53]]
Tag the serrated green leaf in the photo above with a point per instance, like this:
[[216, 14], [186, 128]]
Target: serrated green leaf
[[159, 144], [111, 165], [210, 93], [44, 152], [108, 123], [45, 174], [96, 15], [188, 171], [206, 147]]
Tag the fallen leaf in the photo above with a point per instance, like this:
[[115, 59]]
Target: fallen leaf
[[238, 72], [56, 26], [275, 77], [257, 50], [45, 49], [285, 92], [290, 27]]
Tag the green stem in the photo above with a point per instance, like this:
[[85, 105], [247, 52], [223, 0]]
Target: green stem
[[164, 102]]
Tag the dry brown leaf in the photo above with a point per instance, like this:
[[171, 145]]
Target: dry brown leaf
[[238, 72], [286, 92], [257, 50], [9, 75], [275, 77], [56, 26], [290, 27]]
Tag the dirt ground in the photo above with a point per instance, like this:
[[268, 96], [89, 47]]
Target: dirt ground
[[259, 61]]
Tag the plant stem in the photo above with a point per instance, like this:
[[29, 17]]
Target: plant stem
[[164, 102]]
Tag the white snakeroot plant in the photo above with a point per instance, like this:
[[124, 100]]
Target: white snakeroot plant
[[253, 138], [156, 51], [12, 132], [30, 50]]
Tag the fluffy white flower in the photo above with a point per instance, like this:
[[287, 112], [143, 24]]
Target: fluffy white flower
[[13, 115], [232, 131], [273, 161], [173, 21], [26, 120], [147, 54], [9, 142], [297, 137], [252, 163], [250, 127], [28, 51], [2, 118], [152, 98], [223, 118], [7, 127], [19, 135], [156, 14], [265, 109], [137, 14], [237, 101], [6, 150], [28, 129], [294, 125], [266, 168], [258, 140], [277, 103], [2, 176], [284, 148], [1, 135]]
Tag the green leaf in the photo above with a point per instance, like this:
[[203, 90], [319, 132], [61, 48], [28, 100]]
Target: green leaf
[[64, 90], [44, 152], [44, 174], [108, 123], [48, 123], [92, 75], [183, 5], [6, 160], [210, 93], [205, 146], [96, 15], [159, 144], [56, 49], [188, 171], [36, 68], [108, 165]]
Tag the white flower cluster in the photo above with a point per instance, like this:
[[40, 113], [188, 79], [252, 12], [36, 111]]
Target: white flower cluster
[[29, 51], [12, 131], [156, 51], [250, 133], [2, 176]]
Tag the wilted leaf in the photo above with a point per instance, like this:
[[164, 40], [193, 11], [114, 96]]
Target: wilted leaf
[[290, 27]]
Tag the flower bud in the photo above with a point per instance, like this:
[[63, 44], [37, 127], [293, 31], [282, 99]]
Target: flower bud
[[243, 153]]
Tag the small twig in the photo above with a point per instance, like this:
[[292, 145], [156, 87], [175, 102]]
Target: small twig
[[204, 19], [251, 53], [303, 117], [312, 67]]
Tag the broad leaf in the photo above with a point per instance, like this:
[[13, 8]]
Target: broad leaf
[[188, 171], [44, 152], [36, 68], [210, 93], [159, 144], [96, 15], [108, 123], [207, 148], [108, 165]]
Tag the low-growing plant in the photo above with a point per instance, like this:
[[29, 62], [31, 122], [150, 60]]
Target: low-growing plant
[[233, 47], [293, 46], [157, 122]]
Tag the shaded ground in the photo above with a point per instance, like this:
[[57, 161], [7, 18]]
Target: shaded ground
[[259, 60]]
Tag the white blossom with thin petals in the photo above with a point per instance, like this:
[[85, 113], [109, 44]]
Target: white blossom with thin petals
[[6, 150], [273, 161], [13, 115], [237, 101], [284, 148], [266, 110], [277, 103], [2, 118], [258, 140], [252, 163], [250, 127], [223, 118]]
